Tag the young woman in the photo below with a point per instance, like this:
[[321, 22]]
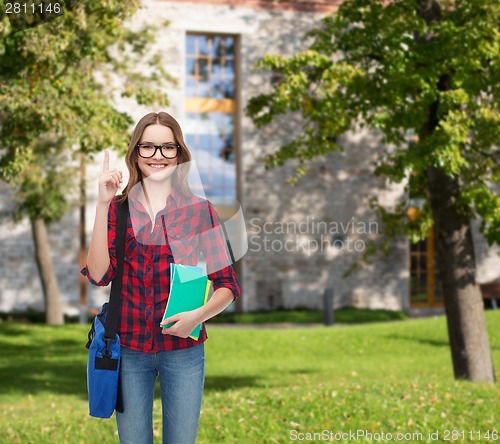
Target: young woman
[[166, 224]]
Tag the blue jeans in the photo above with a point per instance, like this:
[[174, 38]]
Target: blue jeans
[[182, 376]]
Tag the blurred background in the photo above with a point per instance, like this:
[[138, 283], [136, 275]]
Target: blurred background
[[211, 49]]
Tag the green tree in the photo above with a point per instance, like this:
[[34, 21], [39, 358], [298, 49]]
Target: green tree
[[423, 67], [57, 83]]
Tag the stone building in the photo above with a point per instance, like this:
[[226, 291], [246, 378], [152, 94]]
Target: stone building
[[302, 239]]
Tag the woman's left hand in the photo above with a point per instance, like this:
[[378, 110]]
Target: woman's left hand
[[185, 323]]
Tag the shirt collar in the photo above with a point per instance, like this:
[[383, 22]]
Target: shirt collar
[[175, 195]]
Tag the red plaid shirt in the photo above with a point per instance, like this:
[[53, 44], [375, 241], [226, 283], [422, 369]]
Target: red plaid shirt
[[146, 268]]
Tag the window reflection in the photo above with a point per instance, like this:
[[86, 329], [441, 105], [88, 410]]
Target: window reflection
[[210, 137], [210, 66]]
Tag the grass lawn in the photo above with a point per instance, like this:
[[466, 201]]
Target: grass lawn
[[268, 385]]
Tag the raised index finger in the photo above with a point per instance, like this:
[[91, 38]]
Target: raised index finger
[[105, 165]]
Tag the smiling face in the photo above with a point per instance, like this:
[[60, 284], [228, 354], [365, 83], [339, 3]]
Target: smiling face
[[157, 168]]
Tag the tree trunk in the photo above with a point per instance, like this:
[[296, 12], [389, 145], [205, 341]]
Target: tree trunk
[[470, 349], [53, 311]]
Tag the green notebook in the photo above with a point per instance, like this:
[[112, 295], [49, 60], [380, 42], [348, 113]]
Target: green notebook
[[189, 288]]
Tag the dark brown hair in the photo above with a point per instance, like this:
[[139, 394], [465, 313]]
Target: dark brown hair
[[180, 176]]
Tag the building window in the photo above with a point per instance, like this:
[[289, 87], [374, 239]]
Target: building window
[[210, 70], [210, 105], [211, 127], [425, 285]]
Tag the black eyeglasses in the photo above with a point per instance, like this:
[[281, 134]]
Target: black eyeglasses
[[167, 150]]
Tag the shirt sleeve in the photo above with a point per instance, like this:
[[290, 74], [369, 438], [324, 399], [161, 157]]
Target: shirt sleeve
[[111, 271], [217, 256]]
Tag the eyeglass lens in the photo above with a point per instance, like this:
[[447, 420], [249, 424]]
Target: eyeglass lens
[[169, 151]]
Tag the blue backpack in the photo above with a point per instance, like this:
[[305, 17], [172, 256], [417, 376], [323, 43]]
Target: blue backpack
[[103, 365]]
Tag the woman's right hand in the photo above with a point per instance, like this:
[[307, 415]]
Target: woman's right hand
[[109, 181]]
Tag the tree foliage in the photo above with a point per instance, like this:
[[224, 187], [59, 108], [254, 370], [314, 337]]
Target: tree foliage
[[383, 66], [60, 77], [57, 85]]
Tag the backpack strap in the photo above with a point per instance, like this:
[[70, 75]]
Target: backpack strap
[[116, 287]]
